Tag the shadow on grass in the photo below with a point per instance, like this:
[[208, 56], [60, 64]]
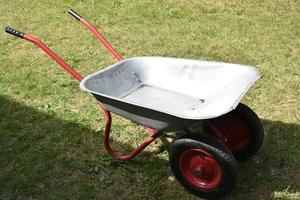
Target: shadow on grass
[[274, 172], [42, 156]]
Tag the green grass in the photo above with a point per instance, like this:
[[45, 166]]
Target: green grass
[[50, 137]]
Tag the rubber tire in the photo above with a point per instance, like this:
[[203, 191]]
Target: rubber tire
[[256, 130], [218, 150]]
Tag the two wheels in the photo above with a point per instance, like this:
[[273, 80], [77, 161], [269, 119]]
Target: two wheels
[[205, 164]]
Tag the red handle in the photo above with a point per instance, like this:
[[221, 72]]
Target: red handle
[[51, 53], [14, 32], [46, 49], [96, 33]]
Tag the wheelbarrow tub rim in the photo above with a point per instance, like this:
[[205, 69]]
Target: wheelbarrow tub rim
[[244, 76]]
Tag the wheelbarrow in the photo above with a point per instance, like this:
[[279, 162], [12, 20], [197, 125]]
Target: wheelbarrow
[[171, 94]]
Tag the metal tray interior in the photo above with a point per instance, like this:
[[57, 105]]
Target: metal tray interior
[[184, 88]]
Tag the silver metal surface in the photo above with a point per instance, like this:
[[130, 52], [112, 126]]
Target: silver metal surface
[[184, 91]]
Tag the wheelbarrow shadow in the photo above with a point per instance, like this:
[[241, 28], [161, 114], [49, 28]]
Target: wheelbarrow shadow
[[43, 156], [273, 173]]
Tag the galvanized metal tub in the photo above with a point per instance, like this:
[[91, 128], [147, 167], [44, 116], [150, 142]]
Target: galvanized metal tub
[[170, 93]]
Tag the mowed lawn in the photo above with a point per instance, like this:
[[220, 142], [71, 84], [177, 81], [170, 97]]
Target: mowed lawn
[[51, 131]]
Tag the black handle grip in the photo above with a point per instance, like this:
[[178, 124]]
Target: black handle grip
[[14, 32], [74, 14]]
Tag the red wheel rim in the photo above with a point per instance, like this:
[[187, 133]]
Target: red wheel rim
[[200, 168], [232, 130]]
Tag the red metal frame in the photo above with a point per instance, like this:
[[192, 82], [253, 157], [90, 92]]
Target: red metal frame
[[216, 131], [53, 55], [231, 130], [101, 39], [134, 153], [76, 75]]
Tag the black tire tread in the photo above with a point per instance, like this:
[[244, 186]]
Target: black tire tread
[[256, 129], [215, 148]]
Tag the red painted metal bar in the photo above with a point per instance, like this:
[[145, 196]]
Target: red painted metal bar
[[96, 33], [135, 152], [68, 68], [155, 133], [106, 112], [188, 130], [215, 130], [51, 53], [102, 39]]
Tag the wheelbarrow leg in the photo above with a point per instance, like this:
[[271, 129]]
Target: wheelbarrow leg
[[147, 141], [76, 75]]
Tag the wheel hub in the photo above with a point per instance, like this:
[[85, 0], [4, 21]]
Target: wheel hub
[[199, 171], [200, 168]]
